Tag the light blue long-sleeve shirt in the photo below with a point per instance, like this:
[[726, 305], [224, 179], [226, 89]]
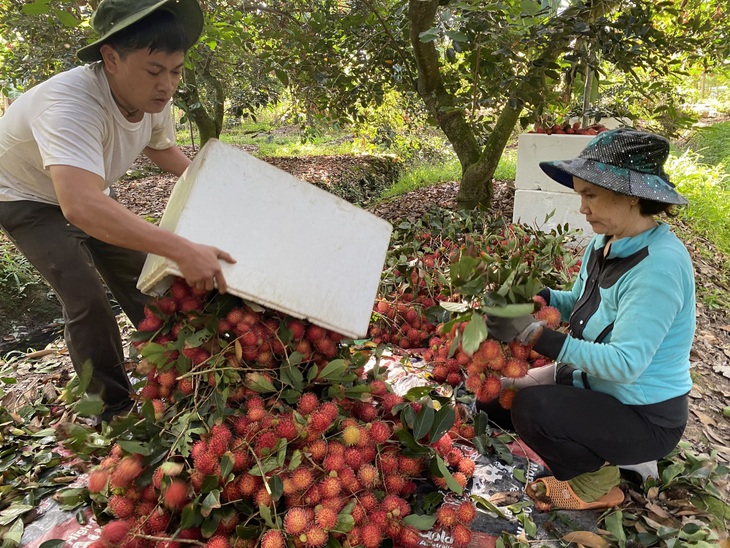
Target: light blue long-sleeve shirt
[[639, 301]]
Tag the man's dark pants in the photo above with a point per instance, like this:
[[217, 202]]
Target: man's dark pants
[[72, 263]]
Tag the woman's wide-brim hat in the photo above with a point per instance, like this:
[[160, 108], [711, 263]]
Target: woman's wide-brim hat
[[114, 15], [623, 160]]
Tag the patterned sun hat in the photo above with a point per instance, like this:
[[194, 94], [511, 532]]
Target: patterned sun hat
[[623, 160]]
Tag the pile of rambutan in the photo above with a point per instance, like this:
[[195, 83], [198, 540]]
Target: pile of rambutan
[[257, 429]]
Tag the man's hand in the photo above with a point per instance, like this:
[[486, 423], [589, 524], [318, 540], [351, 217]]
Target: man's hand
[[523, 329], [200, 266]]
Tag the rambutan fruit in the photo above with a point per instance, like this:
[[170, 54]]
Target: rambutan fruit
[[490, 389], [410, 466], [331, 486], [128, 469], [515, 368], [262, 497], [303, 478], [466, 512], [409, 537], [461, 536], [307, 403], [351, 435], [395, 484], [145, 508], [371, 535], [378, 387], [317, 450], [313, 496], [443, 445], [114, 532], [466, 466], [315, 333], [157, 521], [366, 412], [506, 397], [353, 457], [121, 507], [205, 463], [297, 520], [326, 518], [368, 501], [460, 478], [446, 516], [380, 431], [149, 324], [388, 463], [314, 537], [519, 351], [98, 480], [286, 429], [218, 541], [167, 378], [550, 315], [320, 421], [390, 400], [369, 476], [273, 538], [175, 495], [333, 462], [186, 386], [326, 347], [249, 484]]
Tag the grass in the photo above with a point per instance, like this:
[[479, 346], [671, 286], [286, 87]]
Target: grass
[[427, 174], [712, 143]]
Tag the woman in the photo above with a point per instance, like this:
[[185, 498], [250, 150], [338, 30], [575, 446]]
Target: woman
[[617, 393]]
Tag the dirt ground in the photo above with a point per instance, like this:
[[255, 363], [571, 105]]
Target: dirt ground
[[146, 194]]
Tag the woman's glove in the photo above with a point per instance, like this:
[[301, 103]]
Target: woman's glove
[[523, 329]]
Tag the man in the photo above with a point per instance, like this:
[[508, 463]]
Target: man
[[64, 142]]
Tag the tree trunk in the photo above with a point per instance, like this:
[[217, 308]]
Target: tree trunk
[[477, 166], [209, 127], [439, 103]]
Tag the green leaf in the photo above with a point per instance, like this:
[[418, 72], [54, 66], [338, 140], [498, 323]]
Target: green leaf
[[258, 383], [429, 35], [459, 308], [13, 512], [333, 370], [36, 8], [131, 446], [423, 422], [614, 524], [475, 333], [13, 534], [265, 512], [509, 310], [345, 522], [420, 521], [227, 463], [211, 501], [450, 481], [457, 36], [53, 543], [67, 19], [442, 423]]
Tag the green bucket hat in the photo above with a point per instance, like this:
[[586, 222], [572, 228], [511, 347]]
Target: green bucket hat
[[114, 15], [623, 160]]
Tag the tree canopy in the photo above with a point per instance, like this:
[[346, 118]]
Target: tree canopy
[[473, 68]]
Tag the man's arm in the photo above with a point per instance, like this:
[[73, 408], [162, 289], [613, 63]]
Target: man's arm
[[85, 205], [170, 159]]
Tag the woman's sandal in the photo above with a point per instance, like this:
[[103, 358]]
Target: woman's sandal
[[559, 495]]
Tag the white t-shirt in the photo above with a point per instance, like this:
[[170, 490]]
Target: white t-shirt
[[72, 120]]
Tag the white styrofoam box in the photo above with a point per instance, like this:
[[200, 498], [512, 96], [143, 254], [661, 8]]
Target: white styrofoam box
[[533, 148], [609, 123], [300, 249], [531, 207]]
